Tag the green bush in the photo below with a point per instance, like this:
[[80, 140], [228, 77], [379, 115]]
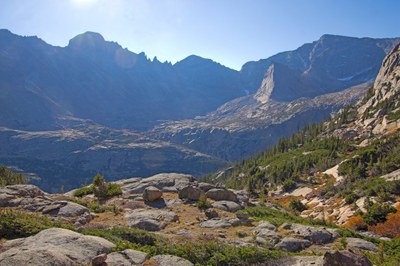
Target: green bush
[[288, 184], [203, 203], [351, 198], [8, 177], [297, 205], [83, 191], [16, 224], [377, 213], [99, 188]]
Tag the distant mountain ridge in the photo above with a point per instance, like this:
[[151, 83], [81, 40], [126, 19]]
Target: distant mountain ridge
[[147, 116], [99, 80]]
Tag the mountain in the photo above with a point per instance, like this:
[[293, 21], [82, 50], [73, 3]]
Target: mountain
[[295, 88], [345, 170], [67, 113], [99, 80]]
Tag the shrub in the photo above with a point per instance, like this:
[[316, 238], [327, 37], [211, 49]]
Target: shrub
[[8, 177], [377, 213], [356, 223], [16, 224], [203, 203], [83, 191], [288, 184], [390, 228], [99, 188], [351, 198], [297, 205]]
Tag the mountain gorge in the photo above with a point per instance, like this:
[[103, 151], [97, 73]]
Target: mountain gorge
[[93, 106]]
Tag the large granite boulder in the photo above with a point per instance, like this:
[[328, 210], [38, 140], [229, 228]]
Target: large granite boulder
[[345, 257], [152, 194], [316, 235], [362, 244], [218, 194], [291, 244], [229, 206], [164, 182], [190, 193], [126, 257], [54, 246], [150, 219]]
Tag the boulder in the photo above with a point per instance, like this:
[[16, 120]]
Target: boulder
[[242, 215], [266, 225], [210, 213], [169, 260], [126, 257], [218, 194], [229, 206], [345, 257], [161, 181], [216, 223], [99, 260], [359, 243], [152, 194], [315, 234], [65, 208], [150, 220], [190, 193], [205, 186], [291, 244], [54, 246], [298, 261]]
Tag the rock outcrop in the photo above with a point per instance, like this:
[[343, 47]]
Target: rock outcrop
[[150, 219], [54, 246]]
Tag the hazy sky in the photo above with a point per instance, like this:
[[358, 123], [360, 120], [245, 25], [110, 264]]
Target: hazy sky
[[230, 32]]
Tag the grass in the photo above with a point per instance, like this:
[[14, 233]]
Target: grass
[[278, 217], [16, 224]]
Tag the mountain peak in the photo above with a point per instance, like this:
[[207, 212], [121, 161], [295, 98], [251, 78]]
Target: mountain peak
[[89, 39]]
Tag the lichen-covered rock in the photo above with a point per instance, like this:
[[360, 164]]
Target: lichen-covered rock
[[316, 235]]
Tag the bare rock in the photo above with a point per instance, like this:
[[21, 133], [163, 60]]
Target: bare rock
[[99, 260], [150, 220], [291, 244], [229, 206], [345, 257], [298, 261], [359, 243], [190, 193], [315, 234], [205, 186], [216, 223], [169, 260], [54, 246], [152, 194], [219, 194], [126, 257], [160, 181]]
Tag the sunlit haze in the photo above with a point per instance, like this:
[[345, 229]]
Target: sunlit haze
[[229, 32]]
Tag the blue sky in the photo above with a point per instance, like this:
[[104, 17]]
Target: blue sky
[[230, 32]]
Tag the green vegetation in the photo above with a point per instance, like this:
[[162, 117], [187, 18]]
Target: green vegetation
[[8, 177], [388, 254], [278, 217], [377, 213], [99, 188], [208, 253], [297, 205], [16, 224], [203, 203]]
